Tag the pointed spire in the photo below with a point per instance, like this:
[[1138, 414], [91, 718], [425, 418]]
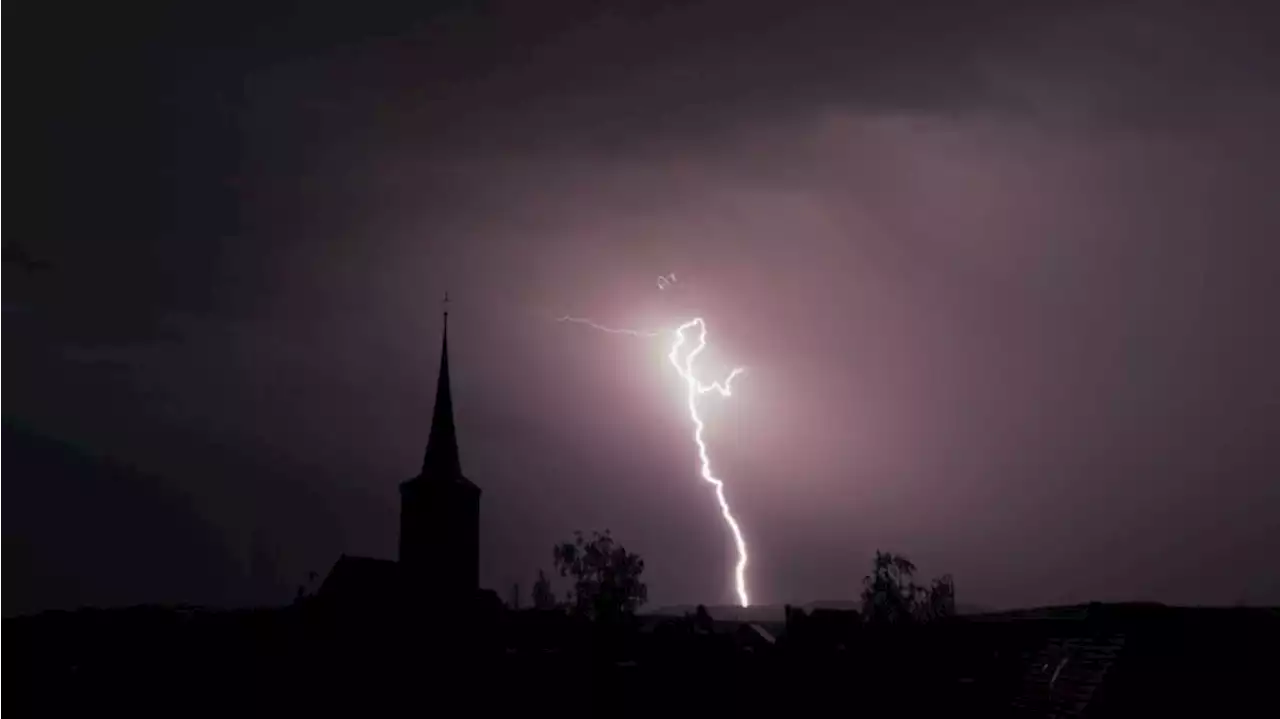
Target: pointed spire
[[441, 458]]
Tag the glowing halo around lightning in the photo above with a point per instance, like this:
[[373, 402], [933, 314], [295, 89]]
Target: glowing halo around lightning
[[694, 389]]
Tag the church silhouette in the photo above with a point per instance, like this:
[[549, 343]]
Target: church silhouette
[[439, 548]]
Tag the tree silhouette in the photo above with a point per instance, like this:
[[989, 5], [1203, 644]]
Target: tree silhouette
[[942, 598], [606, 577], [702, 621], [890, 594], [308, 589], [543, 596]]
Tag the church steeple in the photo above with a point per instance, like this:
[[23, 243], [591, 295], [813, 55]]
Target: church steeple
[[441, 458], [440, 508]]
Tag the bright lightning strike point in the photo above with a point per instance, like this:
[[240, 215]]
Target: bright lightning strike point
[[694, 389]]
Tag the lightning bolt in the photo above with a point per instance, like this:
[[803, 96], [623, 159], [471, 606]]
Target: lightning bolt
[[695, 389], [725, 389], [611, 330]]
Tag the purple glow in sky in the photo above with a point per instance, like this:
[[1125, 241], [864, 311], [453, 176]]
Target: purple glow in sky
[[1003, 273]]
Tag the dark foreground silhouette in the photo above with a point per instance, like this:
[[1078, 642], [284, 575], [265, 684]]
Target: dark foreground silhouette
[[1094, 660]]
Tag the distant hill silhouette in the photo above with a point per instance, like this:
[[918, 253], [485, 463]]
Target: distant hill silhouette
[[87, 531], [777, 612]]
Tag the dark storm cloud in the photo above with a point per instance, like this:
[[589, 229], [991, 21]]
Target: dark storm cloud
[[999, 273], [710, 66]]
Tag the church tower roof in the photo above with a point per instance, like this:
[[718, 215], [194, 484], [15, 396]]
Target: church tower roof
[[441, 458]]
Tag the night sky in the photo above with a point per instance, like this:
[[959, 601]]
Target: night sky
[[1004, 276]]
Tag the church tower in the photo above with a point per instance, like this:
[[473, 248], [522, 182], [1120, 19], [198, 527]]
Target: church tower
[[440, 508]]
